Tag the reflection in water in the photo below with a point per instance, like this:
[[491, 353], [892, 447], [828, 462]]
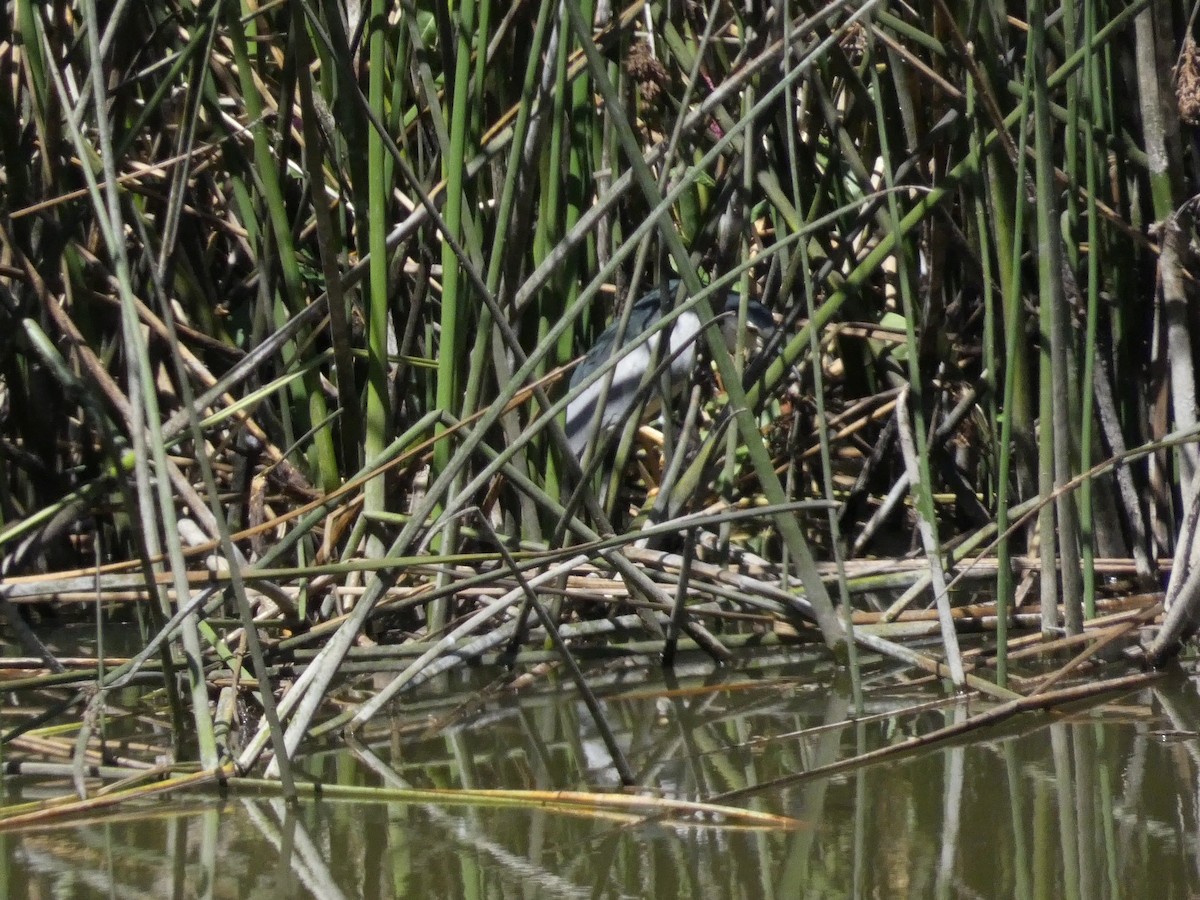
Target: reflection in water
[[1094, 803]]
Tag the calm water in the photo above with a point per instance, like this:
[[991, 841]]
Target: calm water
[[1101, 802]]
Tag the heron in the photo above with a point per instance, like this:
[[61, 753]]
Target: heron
[[637, 357]]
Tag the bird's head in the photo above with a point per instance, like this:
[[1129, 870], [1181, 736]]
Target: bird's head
[[760, 323]]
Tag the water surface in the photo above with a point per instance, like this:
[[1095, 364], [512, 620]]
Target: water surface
[[1094, 802]]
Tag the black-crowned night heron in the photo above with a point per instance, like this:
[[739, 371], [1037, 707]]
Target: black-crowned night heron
[[637, 359]]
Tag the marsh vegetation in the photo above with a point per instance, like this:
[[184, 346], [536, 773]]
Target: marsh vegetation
[[291, 292]]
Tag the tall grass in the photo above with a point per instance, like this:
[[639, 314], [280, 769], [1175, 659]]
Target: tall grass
[[355, 244]]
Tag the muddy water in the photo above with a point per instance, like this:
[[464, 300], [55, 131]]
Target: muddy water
[[1095, 802]]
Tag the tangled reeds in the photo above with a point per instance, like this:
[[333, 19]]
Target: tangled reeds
[[290, 291]]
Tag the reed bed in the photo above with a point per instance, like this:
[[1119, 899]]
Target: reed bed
[[292, 290]]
